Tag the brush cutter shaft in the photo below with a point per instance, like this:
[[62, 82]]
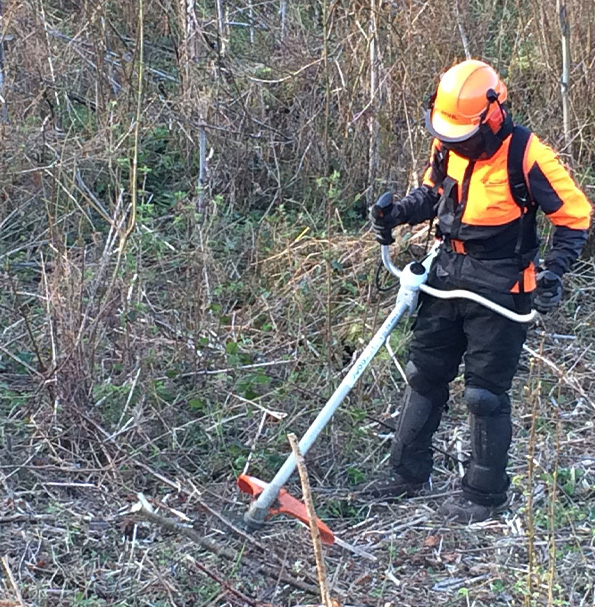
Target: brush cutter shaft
[[456, 293], [260, 507]]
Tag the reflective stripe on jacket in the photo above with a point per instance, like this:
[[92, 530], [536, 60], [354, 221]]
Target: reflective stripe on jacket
[[480, 220]]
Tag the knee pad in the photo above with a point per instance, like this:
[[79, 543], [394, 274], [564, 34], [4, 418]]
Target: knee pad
[[483, 403], [425, 385]]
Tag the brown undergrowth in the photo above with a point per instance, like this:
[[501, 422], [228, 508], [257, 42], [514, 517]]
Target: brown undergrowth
[[72, 475]]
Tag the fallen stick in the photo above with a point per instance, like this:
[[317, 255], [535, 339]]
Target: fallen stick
[[314, 531], [11, 579], [144, 509], [223, 583]]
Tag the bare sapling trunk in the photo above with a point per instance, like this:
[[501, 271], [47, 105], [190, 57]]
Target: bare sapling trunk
[[373, 117], [50, 60], [4, 110], [202, 171], [283, 13], [221, 27], [251, 19], [314, 531], [183, 49], [463, 34], [565, 79]]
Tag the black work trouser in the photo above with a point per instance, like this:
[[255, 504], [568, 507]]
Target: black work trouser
[[444, 333]]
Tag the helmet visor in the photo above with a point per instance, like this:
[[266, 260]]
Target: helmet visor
[[446, 131]]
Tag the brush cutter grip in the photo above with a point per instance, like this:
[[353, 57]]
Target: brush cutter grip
[[382, 220], [385, 202]]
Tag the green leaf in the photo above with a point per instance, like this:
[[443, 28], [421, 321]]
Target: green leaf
[[355, 475], [250, 394], [262, 379], [196, 404]]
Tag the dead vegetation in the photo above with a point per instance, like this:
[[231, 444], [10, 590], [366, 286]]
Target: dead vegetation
[[186, 275]]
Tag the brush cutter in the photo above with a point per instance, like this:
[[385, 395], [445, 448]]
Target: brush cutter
[[271, 498]]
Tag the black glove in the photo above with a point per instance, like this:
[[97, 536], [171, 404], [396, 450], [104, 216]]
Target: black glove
[[548, 293], [385, 216]]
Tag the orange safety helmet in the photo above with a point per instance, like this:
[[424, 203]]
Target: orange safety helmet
[[469, 95]]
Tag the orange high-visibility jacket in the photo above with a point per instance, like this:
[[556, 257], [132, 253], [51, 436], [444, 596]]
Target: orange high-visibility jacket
[[486, 244]]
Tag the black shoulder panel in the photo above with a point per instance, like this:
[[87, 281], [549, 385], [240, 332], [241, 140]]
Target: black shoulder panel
[[516, 176]]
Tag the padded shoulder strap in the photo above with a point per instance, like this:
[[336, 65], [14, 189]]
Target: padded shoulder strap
[[439, 167], [516, 175]]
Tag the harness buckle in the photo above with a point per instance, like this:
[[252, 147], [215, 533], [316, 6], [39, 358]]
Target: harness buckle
[[458, 246]]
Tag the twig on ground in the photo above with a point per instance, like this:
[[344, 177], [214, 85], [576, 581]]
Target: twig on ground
[[11, 579], [314, 531], [144, 509], [223, 583], [355, 549]]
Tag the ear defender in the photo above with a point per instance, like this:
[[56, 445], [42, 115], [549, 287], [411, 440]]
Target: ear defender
[[493, 117]]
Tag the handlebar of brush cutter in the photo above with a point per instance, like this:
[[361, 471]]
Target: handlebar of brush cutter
[[455, 293], [385, 206]]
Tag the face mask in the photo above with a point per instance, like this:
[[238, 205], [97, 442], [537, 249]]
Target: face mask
[[481, 146], [485, 143]]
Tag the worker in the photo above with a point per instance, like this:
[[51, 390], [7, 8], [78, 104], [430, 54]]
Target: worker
[[485, 181]]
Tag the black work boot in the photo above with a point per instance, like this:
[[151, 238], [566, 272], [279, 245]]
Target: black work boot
[[393, 485], [462, 510]]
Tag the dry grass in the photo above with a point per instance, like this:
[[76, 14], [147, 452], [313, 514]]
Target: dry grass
[[66, 517]]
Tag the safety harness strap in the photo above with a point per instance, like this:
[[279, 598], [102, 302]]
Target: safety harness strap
[[439, 168], [515, 165], [519, 189]]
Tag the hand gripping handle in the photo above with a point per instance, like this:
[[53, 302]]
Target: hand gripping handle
[[384, 206]]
